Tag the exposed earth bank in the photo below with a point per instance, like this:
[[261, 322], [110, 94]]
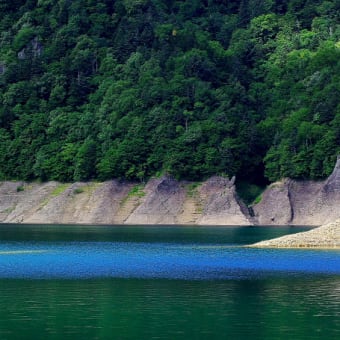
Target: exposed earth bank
[[167, 201]]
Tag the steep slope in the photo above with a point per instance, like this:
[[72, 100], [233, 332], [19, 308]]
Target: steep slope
[[102, 89], [167, 201], [162, 201], [301, 202]]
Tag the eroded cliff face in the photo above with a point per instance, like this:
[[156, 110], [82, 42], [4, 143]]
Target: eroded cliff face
[[300, 202], [161, 201], [167, 201], [54, 202]]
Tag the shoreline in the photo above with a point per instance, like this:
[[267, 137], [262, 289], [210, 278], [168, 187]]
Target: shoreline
[[166, 201], [324, 237], [177, 225]]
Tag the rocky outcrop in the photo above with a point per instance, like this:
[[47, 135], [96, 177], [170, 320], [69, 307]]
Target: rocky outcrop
[[327, 236], [96, 203], [162, 201], [300, 202], [19, 200], [54, 202], [167, 201], [275, 207], [222, 204]]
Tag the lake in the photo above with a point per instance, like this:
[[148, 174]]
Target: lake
[[163, 282]]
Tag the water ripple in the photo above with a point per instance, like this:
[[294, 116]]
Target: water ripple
[[158, 260]]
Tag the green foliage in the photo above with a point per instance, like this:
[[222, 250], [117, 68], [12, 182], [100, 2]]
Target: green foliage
[[257, 200], [59, 189], [20, 188], [137, 191], [23, 38], [78, 191], [192, 188], [131, 88], [249, 193]]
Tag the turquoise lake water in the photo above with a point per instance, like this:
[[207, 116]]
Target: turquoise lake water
[[163, 282]]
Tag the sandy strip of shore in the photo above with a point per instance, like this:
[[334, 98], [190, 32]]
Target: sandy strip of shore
[[326, 236]]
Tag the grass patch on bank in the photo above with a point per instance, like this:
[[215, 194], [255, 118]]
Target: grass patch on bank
[[192, 189], [59, 189], [8, 210], [137, 191], [257, 200], [20, 188], [78, 191]]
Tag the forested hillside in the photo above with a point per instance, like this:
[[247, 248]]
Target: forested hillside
[[131, 88]]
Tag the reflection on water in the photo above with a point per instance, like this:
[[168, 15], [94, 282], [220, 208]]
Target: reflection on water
[[168, 309], [164, 283], [150, 234]]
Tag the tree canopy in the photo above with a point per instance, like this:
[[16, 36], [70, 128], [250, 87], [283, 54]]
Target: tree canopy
[[100, 89]]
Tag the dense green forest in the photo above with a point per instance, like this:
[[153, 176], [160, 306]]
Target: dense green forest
[[100, 89]]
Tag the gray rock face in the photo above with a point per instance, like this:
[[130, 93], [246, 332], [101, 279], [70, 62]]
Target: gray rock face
[[332, 184], [96, 203], [19, 200], [166, 201], [221, 204], [162, 204], [301, 202], [275, 207], [161, 201]]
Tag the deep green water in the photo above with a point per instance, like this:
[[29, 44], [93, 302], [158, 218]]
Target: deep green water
[[67, 282]]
